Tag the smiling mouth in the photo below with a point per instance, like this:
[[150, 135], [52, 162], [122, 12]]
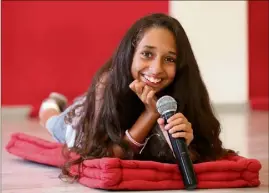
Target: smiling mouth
[[152, 79]]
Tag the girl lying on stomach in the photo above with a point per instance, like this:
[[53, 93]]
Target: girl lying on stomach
[[117, 117]]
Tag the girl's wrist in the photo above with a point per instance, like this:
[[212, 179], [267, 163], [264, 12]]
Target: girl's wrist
[[152, 114]]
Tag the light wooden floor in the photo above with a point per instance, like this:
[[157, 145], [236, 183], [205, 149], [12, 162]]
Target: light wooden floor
[[242, 131]]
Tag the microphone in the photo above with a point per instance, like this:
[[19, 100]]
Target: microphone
[[167, 107]]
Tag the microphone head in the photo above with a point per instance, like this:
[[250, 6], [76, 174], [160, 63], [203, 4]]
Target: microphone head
[[166, 104]]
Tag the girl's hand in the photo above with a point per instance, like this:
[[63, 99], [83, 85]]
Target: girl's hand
[[178, 126], [146, 95]]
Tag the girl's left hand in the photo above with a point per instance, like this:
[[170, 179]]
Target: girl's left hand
[[178, 126]]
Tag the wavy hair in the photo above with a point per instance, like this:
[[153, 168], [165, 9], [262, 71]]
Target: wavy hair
[[121, 107]]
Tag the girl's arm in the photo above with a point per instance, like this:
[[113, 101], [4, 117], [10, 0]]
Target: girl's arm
[[138, 131]]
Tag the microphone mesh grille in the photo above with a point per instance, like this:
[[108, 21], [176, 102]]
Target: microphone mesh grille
[[166, 103]]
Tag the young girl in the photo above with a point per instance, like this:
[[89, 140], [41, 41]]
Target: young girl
[[118, 117]]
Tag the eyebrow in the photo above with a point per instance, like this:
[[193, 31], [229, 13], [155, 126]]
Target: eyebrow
[[152, 47]]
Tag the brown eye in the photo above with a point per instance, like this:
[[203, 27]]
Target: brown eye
[[169, 59], [147, 54]]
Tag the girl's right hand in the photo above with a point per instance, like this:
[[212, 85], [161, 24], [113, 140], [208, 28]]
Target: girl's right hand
[[146, 95]]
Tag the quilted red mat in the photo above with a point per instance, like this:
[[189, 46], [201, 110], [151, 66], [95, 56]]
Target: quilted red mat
[[116, 174]]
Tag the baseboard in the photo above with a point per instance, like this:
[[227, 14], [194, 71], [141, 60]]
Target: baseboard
[[18, 111], [24, 111], [260, 104]]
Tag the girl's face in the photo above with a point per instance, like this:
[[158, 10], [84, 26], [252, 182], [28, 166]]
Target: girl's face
[[155, 58]]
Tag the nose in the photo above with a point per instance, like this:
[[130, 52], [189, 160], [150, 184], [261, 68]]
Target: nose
[[156, 66]]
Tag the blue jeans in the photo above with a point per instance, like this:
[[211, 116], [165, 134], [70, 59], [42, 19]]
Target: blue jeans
[[61, 131]]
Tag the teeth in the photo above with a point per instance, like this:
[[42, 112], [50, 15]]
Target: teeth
[[151, 79]]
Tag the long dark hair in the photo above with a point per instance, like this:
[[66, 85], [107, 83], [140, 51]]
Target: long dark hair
[[121, 107]]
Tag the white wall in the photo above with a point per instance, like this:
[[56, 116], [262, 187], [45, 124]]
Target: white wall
[[218, 33]]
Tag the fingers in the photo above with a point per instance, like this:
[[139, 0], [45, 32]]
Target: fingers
[[145, 93], [188, 136], [150, 97], [180, 128], [132, 85], [176, 116], [160, 121], [175, 122], [139, 87]]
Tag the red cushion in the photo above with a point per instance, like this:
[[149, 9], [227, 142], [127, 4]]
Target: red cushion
[[116, 174]]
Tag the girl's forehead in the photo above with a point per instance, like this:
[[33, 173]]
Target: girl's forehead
[[158, 38]]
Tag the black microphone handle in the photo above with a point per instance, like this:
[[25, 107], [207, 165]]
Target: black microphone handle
[[184, 162]]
